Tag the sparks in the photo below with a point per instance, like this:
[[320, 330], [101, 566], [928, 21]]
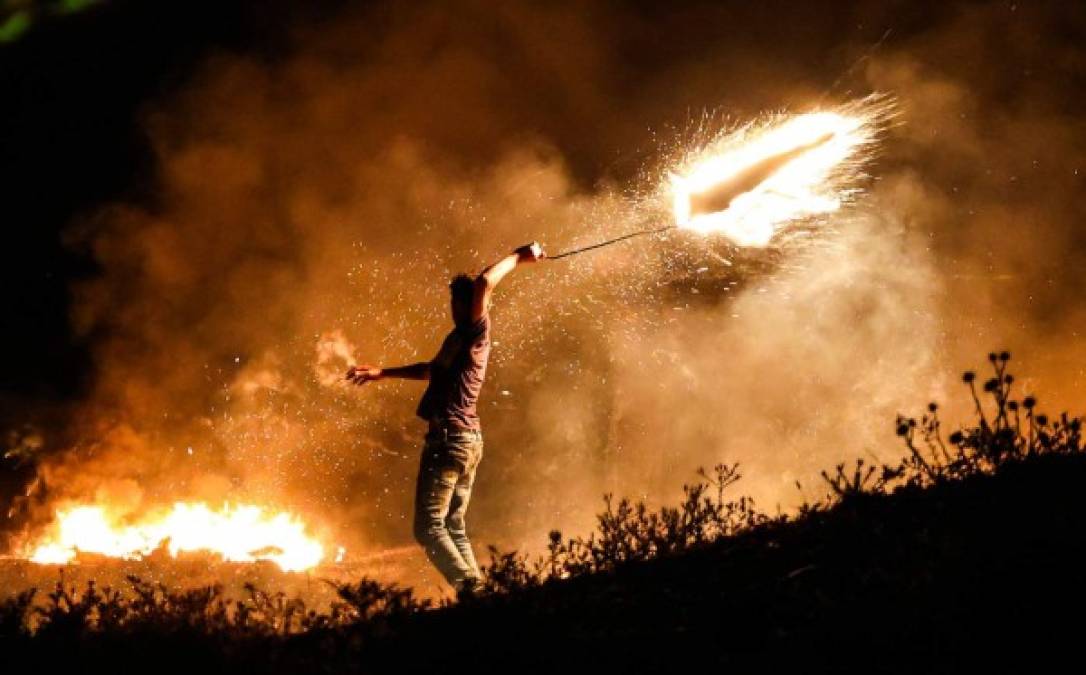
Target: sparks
[[751, 183], [242, 533]]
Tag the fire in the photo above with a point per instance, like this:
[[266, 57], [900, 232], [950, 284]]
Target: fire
[[241, 533], [752, 182]]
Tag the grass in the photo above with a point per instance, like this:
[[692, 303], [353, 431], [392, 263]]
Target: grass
[[968, 552]]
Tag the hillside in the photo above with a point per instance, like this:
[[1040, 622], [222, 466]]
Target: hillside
[[969, 553]]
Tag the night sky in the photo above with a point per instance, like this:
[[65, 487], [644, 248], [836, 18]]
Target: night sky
[[74, 89]]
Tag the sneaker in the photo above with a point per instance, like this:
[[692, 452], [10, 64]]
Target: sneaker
[[468, 588]]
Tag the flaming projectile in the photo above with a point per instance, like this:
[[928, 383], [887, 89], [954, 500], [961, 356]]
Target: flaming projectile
[[718, 197], [750, 184]]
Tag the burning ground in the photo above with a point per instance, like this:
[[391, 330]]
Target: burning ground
[[305, 206]]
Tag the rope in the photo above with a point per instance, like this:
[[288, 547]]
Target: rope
[[601, 244]]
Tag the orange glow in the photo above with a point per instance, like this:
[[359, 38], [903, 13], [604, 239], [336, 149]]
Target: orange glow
[[751, 183], [240, 533]]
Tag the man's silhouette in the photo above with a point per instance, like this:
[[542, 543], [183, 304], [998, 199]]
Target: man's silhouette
[[454, 442]]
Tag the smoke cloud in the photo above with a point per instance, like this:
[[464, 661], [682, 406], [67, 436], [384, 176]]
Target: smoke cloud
[[310, 211]]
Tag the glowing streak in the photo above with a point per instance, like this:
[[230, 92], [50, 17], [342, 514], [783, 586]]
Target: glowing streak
[[237, 533], [751, 183]]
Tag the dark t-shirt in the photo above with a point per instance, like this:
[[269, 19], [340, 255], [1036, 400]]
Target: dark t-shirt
[[456, 376]]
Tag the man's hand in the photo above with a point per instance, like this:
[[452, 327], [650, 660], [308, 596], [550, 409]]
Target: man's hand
[[530, 253], [362, 374], [492, 276]]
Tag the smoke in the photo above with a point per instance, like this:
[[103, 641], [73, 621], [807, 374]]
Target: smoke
[[999, 145], [311, 210]]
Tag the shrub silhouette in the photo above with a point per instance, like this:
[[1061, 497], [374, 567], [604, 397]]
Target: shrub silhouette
[[629, 532]]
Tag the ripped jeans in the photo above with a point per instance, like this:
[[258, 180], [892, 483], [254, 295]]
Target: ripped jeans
[[446, 474]]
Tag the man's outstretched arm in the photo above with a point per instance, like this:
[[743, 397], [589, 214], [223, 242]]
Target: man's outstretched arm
[[362, 374], [492, 276]]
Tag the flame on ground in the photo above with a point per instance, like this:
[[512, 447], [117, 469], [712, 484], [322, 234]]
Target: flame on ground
[[751, 182], [241, 533]]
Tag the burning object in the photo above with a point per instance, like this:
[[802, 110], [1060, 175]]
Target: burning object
[[717, 194], [750, 183], [241, 533]]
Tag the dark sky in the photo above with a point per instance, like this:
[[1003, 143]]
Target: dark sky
[[73, 89]]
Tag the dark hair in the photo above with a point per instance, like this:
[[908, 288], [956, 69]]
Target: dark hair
[[462, 288]]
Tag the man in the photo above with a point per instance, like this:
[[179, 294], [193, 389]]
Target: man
[[454, 442]]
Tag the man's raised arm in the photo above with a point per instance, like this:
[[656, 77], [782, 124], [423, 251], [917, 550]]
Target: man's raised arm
[[492, 276], [362, 374]]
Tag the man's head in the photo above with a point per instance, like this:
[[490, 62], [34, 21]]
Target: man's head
[[462, 295]]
